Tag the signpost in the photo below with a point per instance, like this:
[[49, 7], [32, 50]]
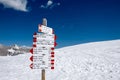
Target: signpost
[[43, 49], [45, 29]]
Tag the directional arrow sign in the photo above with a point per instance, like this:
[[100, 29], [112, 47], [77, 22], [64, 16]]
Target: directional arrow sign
[[31, 58], [31, 51], [41, 36], [31, 65], [40, 66], [55, 44], [46, 40], [41, 50], [41, 57], [45, 29]]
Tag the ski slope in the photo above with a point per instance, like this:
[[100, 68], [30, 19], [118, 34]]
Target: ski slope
[[90, 61]]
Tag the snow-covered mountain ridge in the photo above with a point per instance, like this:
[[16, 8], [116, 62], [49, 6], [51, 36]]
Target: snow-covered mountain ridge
[[90, 61], [4, 50]]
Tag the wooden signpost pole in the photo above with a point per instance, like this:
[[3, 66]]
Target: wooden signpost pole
[[43, 74], [44, 22], [43, 70]]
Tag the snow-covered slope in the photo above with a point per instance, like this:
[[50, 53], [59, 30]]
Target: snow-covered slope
[[91, 61]]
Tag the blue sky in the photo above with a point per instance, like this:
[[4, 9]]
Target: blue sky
[[74, 21]]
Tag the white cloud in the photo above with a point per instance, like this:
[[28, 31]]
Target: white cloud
[[20, 5], [50, 4], [42, 6]]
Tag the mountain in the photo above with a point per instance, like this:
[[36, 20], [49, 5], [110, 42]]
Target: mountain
[[90, 61], [1, 45], [4, 50]]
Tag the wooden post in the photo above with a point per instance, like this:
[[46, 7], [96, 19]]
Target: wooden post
[[43, 70], [44, 22], [43, 74]]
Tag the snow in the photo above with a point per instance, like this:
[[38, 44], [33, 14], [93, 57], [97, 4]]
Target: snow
[[11, 50], [90, 61]]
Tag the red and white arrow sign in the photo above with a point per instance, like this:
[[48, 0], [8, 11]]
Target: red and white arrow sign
[[45, 29], [31, 58], [31, 51]]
